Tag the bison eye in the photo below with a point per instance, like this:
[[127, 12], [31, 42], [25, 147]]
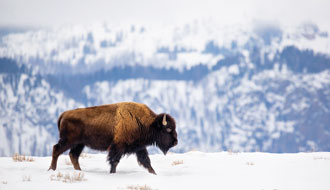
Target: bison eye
[[168, 130]]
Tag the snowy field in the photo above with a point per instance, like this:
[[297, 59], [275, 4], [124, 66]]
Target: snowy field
[[192, 170]]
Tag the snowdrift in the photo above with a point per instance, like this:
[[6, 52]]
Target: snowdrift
[[191, 170]]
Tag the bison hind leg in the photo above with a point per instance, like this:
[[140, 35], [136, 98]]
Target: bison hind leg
[[58, 149], [74, 155]]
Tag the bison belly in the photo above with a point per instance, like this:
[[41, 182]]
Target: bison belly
[[98, 142], [97, 137]]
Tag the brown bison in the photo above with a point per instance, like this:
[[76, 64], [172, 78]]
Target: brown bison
[[122, 128]]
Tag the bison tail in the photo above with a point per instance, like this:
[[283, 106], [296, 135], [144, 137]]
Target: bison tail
[[59, 122]]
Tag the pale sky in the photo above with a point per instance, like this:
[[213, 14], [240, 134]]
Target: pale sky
[[59, 12]]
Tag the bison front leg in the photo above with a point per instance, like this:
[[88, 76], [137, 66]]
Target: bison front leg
[[114, 157], [144, 160]]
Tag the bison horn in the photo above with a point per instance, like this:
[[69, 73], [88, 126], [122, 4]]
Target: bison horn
[[164, 120]]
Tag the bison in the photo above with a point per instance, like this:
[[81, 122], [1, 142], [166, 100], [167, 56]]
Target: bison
[[121, 128]]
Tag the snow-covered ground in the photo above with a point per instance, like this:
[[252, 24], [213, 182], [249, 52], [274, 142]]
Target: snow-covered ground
[[192, 170]]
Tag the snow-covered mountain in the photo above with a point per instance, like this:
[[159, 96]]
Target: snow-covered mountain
[[255, 87], [29, 107]]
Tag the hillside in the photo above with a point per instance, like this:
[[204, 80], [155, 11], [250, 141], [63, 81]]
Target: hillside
[[235, 88]]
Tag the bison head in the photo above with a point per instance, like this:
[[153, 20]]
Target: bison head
[[167, 136]]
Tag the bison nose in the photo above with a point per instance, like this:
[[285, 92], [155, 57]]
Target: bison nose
[[175, 142]]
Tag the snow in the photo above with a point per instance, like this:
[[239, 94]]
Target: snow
[[191, 170]]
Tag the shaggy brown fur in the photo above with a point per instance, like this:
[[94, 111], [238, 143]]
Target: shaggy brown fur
[[121, 128]]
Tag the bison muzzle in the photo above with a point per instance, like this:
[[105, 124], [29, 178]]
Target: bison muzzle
[[122, 128]]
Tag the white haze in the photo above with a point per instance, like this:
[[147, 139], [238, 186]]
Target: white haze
[[35, 13]]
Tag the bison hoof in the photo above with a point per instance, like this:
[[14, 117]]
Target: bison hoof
[[112, 171], [77, 168], [152, 171]]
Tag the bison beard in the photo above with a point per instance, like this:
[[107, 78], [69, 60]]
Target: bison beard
[[122, 128]]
